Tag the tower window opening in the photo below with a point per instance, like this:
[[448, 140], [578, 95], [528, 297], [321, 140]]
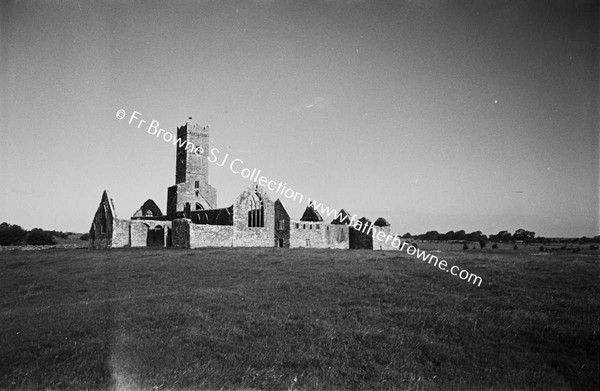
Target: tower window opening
[[197, 184]]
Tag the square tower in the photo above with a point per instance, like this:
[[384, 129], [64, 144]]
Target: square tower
[[191, 190]]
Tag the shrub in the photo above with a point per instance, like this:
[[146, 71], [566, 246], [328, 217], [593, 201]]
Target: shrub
[[11, 235], [85, 237], [38, 236], [515, 247], [465, 246], [482, 243], [495, 245], [542, 248]]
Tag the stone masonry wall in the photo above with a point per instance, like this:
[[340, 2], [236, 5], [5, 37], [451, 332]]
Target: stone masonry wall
[[203, 235], [107, 231], [307, 234], [244, 236], [139, 231], [380, 244], [281, 233], [181, 233], [337, 236], [120, 234]]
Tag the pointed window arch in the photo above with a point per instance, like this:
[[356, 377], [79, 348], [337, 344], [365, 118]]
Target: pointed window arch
[[256, 214], [199, 206]]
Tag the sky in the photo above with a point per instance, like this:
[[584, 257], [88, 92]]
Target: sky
[[437, 115]]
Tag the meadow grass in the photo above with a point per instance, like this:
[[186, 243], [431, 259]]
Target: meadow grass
[[301, 319]]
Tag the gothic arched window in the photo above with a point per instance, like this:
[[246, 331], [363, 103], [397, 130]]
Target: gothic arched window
[[256, 216]]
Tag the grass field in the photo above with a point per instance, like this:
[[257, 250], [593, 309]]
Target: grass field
[[282, 319]]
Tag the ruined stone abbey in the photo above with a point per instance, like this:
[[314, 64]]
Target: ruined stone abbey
[[193, 219]]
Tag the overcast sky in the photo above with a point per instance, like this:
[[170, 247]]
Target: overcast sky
[[438, 115]]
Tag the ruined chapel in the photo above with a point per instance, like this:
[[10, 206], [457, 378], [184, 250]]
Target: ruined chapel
[[193, 220]]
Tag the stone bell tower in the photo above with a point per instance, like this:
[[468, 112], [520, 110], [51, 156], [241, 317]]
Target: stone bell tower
[[191, 190]]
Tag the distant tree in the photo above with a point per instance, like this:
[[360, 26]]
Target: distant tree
[[84, 237], [465, 246], [524, 235], [11, 235], [495, 245], [460, 235], [432, 235], [503, 236], [38, 236], [542, 248], [406, 235], [474, 236], [450, 235]]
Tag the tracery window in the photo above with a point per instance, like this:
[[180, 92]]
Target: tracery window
[[256, 214]]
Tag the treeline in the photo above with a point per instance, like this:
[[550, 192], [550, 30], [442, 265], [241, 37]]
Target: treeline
[[520, 235], [14, 235]]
